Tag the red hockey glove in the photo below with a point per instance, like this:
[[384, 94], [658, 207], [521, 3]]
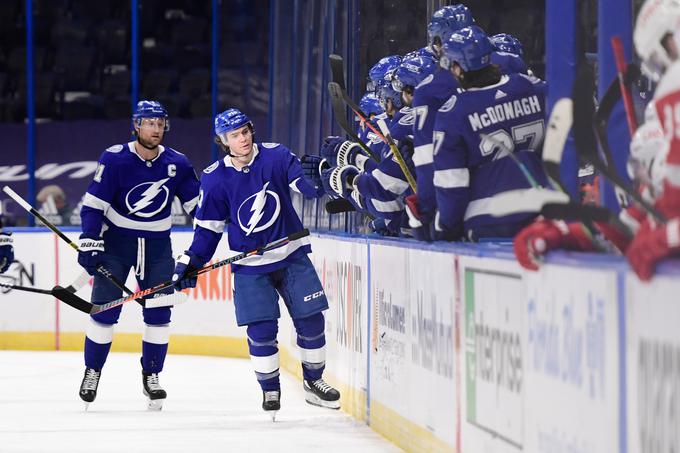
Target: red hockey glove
[[652, 244], [543, 235]]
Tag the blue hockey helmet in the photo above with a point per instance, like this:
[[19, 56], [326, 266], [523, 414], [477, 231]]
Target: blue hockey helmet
[[505, 42], [385, 92], [412, 71], [370, 104], [445, 22], [150, 109], [469, 47], [378, 73], [422, 52], [230, 120]]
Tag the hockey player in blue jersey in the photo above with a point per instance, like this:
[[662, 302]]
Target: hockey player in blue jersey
[[370, 105], [428, 96], [474, 132], [126, 220], [508, 54], [379, 190], [6, 249], [249, 192]]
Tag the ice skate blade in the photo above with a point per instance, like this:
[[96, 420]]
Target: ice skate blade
[[316, 401], [155, 405], [272, 414], [86, 405]]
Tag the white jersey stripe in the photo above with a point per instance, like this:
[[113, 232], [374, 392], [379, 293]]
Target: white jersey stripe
[[213, 225], [95, 203], [423, 155], [274, 256], [123, 222], [390, 183], [452, 178]]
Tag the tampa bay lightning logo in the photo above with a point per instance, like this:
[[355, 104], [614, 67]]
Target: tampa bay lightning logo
[[148, 198], [259, 211]]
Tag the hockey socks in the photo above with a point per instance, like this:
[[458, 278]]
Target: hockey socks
[[264, 353], [312, 342]]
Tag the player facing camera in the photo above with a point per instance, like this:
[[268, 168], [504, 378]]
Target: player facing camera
[[150, 122], [234, 133]]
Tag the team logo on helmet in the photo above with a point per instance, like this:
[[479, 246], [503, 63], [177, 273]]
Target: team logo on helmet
[[259, 211], [148, 198]]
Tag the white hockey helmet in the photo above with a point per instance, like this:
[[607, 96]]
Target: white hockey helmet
[[656, 20], [647, 160]]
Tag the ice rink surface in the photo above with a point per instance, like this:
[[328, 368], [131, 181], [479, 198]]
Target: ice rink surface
[[213, 405]]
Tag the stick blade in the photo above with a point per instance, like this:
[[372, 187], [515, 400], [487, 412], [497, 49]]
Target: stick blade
[[576, 212], [337, 69], [71, 299], [298, 235], [338, 206], [559, 125]]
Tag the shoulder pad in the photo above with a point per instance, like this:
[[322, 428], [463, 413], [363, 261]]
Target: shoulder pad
[[270, 145], [167, 148], [448, 105], [425, 81], [114, 148], [212, 167]]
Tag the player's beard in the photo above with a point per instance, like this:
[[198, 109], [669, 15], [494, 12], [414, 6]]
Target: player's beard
[[150, 144]]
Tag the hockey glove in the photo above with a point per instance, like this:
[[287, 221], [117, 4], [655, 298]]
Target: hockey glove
[[379, 226], [312, 167], [344, 153], [91, 252], [186, 264], [6, 251], [339, 181], [536, 239], [420, 229], [651, 245]]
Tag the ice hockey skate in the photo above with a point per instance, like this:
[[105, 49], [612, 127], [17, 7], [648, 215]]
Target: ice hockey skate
[[319, 393], [153, 391], [88, 388], [271, 402]]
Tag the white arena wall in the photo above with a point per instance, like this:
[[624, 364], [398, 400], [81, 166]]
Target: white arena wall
[[438, 347]]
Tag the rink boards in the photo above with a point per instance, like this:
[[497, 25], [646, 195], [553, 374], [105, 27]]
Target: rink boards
[[438, 348]]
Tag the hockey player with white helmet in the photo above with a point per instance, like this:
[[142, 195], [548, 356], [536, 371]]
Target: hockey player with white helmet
[[657, 41], [126, 220], [249, 193]]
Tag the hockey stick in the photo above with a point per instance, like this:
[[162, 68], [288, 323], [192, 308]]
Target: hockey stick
[[334, 91], [337, 69], [88, 307], [559, 125], [400, 159], [339, 205], [586, 144], [27, 289], [72, 288], [620, 59], [101, 269]]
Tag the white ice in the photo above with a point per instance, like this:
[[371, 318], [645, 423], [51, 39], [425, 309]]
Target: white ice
[[213, 405]]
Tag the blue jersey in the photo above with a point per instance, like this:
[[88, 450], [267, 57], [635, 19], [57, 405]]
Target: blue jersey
[[429, 95], [133, 196], [509, 63], [255, 205], [383, 187], [471, 166]]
